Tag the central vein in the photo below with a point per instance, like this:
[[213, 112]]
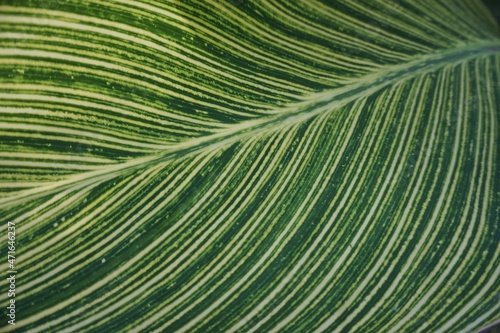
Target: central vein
[[314, 105]]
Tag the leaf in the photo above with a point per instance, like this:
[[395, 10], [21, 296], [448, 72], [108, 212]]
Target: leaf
[[250, 166]]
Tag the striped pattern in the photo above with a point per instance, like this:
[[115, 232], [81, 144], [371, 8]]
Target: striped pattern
[[251, 166]]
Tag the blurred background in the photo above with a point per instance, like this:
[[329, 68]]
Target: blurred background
[[494, 6]]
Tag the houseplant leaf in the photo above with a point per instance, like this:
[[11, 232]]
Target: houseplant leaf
[[260, 166]]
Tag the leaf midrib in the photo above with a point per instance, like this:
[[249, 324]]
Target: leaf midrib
[[312, 106]]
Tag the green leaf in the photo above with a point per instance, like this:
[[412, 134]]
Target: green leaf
[[250, 166]]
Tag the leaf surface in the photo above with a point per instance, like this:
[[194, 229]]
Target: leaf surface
[[260, 166]]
